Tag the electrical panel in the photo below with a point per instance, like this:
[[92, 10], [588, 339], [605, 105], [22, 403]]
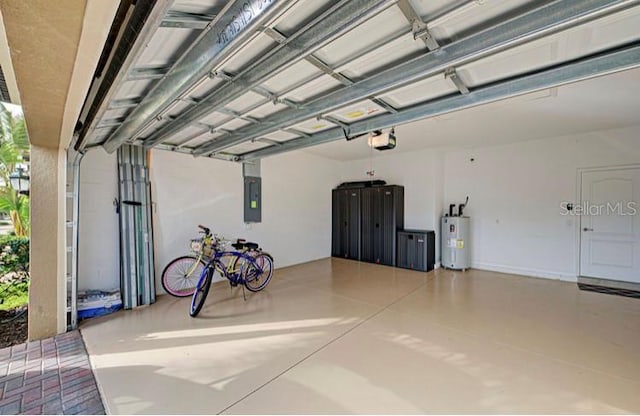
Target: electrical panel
[[252, 199]]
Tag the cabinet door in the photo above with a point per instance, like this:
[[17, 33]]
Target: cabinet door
[[340, 224], [402, 258], [379, 230], [411, 251], [352, 198], [420, 262], [336, 224], [368, 209], [379, 225], [387, 221]]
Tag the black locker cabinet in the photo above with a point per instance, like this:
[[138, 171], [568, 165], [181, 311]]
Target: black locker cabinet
[[416, 250], [346, 223], [382, 217]]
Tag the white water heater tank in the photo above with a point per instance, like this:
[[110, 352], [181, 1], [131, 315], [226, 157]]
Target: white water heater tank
[[455, 243]]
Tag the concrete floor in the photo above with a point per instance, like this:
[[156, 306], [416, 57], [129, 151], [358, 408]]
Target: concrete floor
[[338, 336]]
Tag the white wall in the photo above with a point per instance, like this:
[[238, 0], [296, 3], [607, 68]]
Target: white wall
[[99, 253], [515, 193], [296, 204]]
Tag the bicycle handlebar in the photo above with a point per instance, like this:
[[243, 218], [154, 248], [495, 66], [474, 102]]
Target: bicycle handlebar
[[219, 240]]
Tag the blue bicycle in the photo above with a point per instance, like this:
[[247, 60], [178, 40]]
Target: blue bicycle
[[245, 265]]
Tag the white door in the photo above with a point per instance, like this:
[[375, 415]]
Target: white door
[[610, 225]]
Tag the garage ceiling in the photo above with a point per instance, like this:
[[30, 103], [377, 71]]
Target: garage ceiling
[[589, 106], [289, 74]]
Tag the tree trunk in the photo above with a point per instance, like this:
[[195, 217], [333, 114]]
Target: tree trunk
[[18, 228]]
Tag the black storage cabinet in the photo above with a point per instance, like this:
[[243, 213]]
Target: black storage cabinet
[[345, 241], [416, 250], [382, 217], [365, 221]]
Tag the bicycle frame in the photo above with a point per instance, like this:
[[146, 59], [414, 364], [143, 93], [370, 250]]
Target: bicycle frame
[[205, 240], [232, 274], [245, 267], [192, 269]]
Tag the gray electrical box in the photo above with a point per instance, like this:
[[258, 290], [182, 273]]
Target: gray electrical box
[[252, 199], [454, 242]]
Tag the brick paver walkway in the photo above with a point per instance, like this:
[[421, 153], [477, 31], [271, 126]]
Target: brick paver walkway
[[52, 376]]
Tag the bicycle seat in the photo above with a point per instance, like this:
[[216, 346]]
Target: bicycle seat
[[242, 245]]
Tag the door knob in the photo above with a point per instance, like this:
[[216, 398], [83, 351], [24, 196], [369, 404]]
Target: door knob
[[585, 229]]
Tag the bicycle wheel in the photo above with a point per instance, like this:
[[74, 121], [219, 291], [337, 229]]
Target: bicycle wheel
[[180, 277], [258, 275], [201, 292]]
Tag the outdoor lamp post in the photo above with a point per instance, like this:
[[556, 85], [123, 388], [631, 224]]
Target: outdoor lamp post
[[20, 180]]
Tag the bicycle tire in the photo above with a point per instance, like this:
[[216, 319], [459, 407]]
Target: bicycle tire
[[257, 279], [175, 280], [200, 294]]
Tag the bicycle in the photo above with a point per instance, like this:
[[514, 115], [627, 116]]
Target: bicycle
[[247, 266], [180, 276]]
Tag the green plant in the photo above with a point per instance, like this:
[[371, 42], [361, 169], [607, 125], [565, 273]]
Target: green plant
[[14, 152], [17, 206], [14, 255], [14, 295]]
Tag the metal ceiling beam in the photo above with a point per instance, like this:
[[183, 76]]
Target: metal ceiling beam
[[190, 137], [340, 18], [418, 26], [236, 114], [183, 20], [297, 132], [270, 97], [335, 121], [109, 122], [220, 156], [527, 27], [268, 141], [382, 103], [325, 68], [617, 60], [124, 103], [452, 75], [311, 58], [227, 33], [275, 97], [150, 72], [140, 26]]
